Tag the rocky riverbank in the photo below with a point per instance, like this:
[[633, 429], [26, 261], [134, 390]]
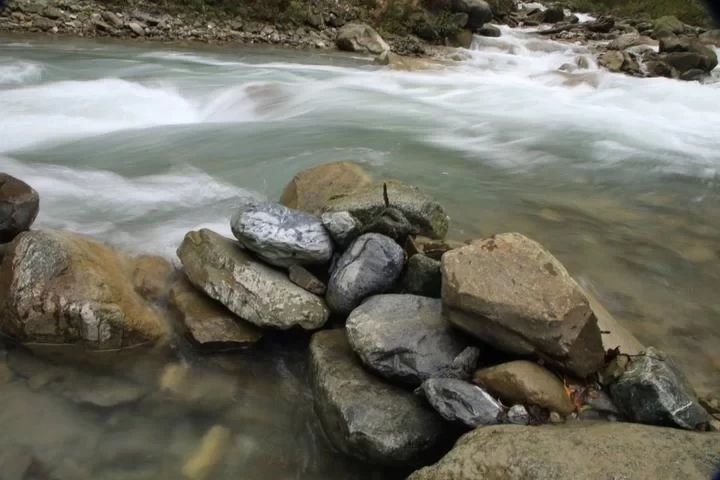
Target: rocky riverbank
[[414, 339]]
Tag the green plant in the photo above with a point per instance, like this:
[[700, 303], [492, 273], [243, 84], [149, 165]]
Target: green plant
[[689, 11]]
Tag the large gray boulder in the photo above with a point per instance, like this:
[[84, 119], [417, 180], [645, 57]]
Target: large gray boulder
[[459, 401], [579, 450], [19, 205], [65, 290], [425, 214], [510, 292], [364, 417], [405, 338], [370, 266], [280, 235], [654, 391], [255, 292], [360, 37], [422, 277]]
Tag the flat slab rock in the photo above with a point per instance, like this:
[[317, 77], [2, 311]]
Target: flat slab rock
[[654, 391], [459, 401], [405, 338], [363, 416], [575, 451], [510, 292], [280, 235], [250, 289], [209, 323]]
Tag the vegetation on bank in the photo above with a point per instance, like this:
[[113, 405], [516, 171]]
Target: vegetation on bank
[[692, 12]]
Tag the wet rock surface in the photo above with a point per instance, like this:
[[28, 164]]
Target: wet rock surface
[[365, 417], [459, 401], [19, 205], [406, 339]]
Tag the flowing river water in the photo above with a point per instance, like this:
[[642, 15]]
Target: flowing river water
[[136, 144]]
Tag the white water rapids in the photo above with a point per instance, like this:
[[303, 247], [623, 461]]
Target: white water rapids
[[136, 144]]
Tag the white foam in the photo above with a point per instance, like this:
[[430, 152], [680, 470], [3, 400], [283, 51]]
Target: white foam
[[14, 72]]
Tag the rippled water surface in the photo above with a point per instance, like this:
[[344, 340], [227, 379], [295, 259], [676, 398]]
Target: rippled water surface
[[137, 144]]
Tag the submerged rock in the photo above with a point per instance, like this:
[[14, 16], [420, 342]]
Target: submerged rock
[[61, 288], [343, 227], [654, 391], [617, 450], [364, 417], [282, 236], [359, 37], [370, 266], [405, 338], [425, 214], [525, 382], [422, 277], [209, 323], [253, 291], [19, 205], [310, 189], [209, 453], [459, 401], [511, 293]]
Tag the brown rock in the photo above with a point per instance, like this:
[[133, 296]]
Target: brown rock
[[19, 205], [151, 276], [62, 289], [525, 383], [302, 278], [510, 292], [209, 323], [310, 189]]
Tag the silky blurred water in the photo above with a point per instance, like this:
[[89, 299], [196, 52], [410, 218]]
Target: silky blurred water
[[137, 144]]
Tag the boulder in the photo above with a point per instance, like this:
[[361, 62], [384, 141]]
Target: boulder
[[209, 323], [342, 226], [617, 61], [489, 31], [624, 41], [525, 382], [479, 12], [553, 15], [362, 38], [503, 8], [424, 213], [459, 401], [510, 292], [686, 61], [406, 339], [392, 223], [255, 292], [19, 205], [579, 450], [654, 391], [601, 25], [658, 68], [310, 189], [302, 278], [62, 289], [370, 266], [422, 277], [112, 19], [364, 417], [280, 235], [666, 26]]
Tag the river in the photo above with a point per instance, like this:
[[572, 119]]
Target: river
[[136, 144]]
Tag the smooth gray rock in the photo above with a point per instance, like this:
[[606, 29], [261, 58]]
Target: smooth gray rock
[[280, 235], [422, 277], [459, 401], [370, 266], [654, 391], [364, 417], [405, 338], [490, 31], [518, 415], [255, 292], [343, 227], [577, 451], [359, 37], [19, 205], [479, 12]]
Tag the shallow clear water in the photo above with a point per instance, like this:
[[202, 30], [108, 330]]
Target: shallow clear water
[[137, 144]]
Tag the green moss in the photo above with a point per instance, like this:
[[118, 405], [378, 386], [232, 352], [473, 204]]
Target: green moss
[[689, 11]]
